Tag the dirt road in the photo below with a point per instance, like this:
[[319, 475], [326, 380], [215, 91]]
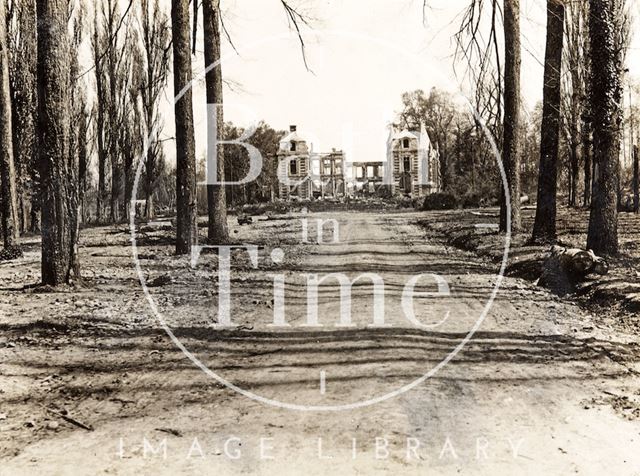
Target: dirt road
[[542, 388]]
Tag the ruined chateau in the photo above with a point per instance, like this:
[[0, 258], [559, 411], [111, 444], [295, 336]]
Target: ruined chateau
[[411, 169]]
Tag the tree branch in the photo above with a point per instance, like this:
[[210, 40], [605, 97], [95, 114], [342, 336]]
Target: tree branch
[[296, 18]]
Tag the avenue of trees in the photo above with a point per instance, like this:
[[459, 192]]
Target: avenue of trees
[[577, 131], [57, 114]]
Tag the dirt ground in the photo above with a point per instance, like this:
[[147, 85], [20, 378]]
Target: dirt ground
[[90, 382], [615, 298]]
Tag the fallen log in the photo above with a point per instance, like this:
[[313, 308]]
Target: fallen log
[[153, 226], [564, 268]]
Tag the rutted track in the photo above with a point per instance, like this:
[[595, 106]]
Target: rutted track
[[537, 370]]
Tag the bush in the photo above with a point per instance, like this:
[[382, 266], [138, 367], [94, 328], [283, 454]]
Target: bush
[[384, 192], [472, 200], [402, 202], [440, 201]]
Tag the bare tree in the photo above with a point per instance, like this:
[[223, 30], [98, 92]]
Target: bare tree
[[128, 135], [578, 127], [112, 69], [99, 46], [605, 21], [636, 180], [156, 36], [497, 95], [544, 229], [22, 64], [481, 55], [84, 148], [512, 101], [130, 144], [218, 231], [117, 74], [10, 227], [186, 207], [53, 141], [132, 92], [574, 99], [77, 137], [438, 112], [132, 131]]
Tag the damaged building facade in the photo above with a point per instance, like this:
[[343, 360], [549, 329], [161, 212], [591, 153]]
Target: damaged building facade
[[411, 169], [367, 177], [305, 174], [413, 163]]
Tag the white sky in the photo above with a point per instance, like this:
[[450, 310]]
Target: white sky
[[363, 54]]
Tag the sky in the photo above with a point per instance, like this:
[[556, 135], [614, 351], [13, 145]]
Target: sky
[[361, 56]]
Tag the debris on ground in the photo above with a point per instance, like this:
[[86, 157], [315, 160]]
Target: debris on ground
[[612, 288], [565, 268]]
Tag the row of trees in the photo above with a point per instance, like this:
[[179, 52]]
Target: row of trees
[[467, 161], [7, 167], [56, 114], [59, 112], [581, 118], [128, 72], [602, 68]]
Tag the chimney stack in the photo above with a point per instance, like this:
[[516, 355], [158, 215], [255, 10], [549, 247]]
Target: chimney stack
[[292, 128]]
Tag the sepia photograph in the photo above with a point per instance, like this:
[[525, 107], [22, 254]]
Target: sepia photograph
[[303, 237]]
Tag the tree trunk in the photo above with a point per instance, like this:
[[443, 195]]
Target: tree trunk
[[34, 221], [53, 134], [575, 140], [218, 231], [9, 200], [83, 160], [82, 170], [636, 180], [587, 141], [116, 187], [149, 209], [186, 223], [606, 100], [102, 167], [576, 67], [155, 41], [23, 104], [575, 171], [544, 229], [113, 71], [24, 211], [101, 101], [129, 152], [73, 195], [511, 142], [586, 147], [150, 172]]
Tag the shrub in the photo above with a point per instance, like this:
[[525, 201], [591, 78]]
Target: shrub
[[384, 192], [440, 201], [472, 200], [403, 202]]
